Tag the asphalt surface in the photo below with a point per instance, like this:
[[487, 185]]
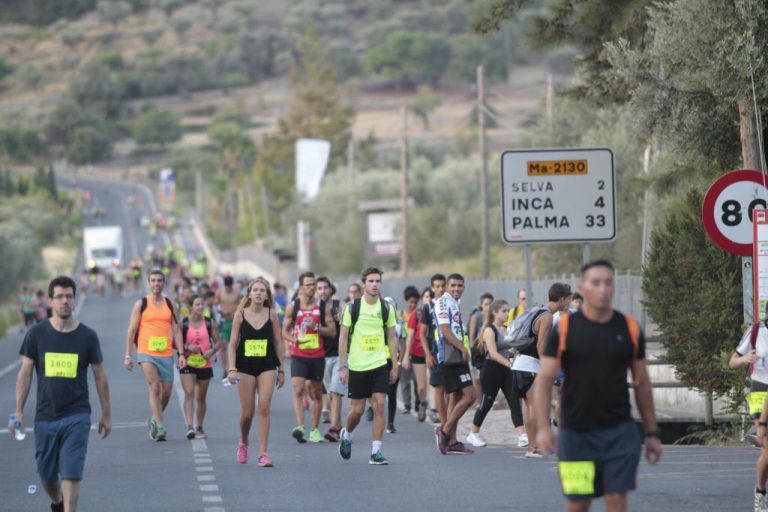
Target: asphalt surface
[[129, 472]]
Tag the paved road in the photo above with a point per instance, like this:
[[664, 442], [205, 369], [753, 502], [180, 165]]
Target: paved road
[[129, 472]]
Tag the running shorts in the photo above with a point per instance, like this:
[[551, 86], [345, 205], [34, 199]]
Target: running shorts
[[60, 447], [201, 373], [365, 384], [164, 365], [456, 378], [596, 462], [310, 368]]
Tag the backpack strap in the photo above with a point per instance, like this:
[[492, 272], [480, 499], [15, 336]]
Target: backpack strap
[[753, 335], [322, 312], [634, 334], [354, 314], [170, 306], [209, 328], [562, 329], [184, 328], [295, 312], [141, 312], [384, 317]]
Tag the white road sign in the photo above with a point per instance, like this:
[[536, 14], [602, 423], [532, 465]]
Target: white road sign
[[558, 195]]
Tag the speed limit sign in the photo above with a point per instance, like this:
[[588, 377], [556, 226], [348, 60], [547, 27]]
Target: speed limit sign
[[728, 206]]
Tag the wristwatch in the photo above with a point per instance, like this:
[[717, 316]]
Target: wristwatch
[[653, 433]]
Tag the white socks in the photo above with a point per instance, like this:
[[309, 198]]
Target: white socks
[[376, 447]]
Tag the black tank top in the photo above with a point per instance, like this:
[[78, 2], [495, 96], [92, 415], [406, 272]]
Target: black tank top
[[256, 346]]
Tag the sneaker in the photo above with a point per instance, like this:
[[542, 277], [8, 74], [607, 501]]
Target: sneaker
[[161, 433], [200, 433], [522, 440], [458, 448], [345, 446], [475, 439], [369, 414], [57, 507], [407, 409], [333, 434], [300, 434], [242, 453], [264, 461], [316, 437], [377, 459], [391, 428], [225, 382], [442, 440], [422, 415], [190, 432], [325, 416], [152, 428], [532, 453], [760, 505], [433, 416]]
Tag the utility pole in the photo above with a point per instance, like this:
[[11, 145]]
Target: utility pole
[[484, 250], [404, 194]]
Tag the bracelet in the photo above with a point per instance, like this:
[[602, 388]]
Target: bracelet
[[127, 357], [652, 433], [232, 370]]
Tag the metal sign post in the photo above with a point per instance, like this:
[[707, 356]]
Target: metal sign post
[[760, 263]]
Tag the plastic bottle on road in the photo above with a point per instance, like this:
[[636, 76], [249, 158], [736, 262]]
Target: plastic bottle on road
[[15, 425]]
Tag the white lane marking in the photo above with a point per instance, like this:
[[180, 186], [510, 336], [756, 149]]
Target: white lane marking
[[200, 454], [213, 509]]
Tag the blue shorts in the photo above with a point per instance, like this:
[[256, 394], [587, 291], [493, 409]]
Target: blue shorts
[[331, 377], [60, 447], [614, 451], [164, 365]]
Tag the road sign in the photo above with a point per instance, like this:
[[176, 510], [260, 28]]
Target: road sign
[[760, 262], [558, 195], [728, 206]]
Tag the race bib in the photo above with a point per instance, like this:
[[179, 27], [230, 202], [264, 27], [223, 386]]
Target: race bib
[[255, 348], [309, 341], [196, 360], [158, 343], [756, 399], [61, 365], [466, 342], [372, 342], [577, 478]]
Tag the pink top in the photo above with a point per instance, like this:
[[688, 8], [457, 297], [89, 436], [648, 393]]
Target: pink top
[[198, 336]]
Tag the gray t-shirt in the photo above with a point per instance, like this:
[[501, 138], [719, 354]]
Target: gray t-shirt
[[61, 363], [502, 347]]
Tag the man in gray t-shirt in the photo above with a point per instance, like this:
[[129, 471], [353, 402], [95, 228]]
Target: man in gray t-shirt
[[59, 351]]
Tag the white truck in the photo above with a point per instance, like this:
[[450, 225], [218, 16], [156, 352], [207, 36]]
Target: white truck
[[103, 247]]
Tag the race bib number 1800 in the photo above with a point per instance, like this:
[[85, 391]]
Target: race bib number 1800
[[577, 477], [61, 365]]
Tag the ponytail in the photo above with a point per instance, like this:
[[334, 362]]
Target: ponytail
[[488, 321]]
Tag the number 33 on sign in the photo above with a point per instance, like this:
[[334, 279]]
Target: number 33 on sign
[[728, 206]]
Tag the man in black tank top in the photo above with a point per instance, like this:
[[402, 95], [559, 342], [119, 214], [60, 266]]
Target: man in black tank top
[[336, 390]]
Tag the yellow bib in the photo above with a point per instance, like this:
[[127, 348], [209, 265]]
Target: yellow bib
[[577, 477], [196, 360], [158, 343], [309, 342], [61, 365], [255, 348], [756, 400]]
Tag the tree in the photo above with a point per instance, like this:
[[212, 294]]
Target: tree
[[21, 144], [99, 89], [687, 274], [180, 26], [89, 145], [114, 11], [5, 69], [469, 51], [409, 58], [315, 110], [424, 104], [169, 6], [155, 126], [151, 34]]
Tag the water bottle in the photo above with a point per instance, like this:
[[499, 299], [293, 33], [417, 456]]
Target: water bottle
[[15, 425], [303, 328]]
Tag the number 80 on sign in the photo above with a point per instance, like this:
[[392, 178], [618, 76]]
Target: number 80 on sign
[[728, 206]]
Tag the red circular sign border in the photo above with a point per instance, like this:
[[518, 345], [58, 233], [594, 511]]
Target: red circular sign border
[[708, 209]]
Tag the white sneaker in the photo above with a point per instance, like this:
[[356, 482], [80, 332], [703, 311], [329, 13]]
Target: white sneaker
[[760, 505], [522, 440], [475, 439], [532, 454]]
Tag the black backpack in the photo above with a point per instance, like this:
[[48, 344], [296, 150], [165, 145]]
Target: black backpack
[[144, 307], [354, 314]]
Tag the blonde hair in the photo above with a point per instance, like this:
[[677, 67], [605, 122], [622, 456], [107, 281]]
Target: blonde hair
[[494, 308], [246, 302]]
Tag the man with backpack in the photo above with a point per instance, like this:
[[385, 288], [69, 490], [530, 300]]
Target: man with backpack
[[527, 335], [307, 324], [155, 331], [367, 331], [599, 443], [336, 390], [753, 350], [427, 335]]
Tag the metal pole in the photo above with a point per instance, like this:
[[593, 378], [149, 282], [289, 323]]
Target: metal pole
[[484, 250], [199, 193], [586, 254], [528, 272], [404, 194]]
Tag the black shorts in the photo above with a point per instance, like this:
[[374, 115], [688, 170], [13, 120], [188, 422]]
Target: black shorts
[[436, 376], [456, 378], [522, 381], [310, 368], [364, 384], [756, 387], [610, 455], [418, 360], [254, 370], [202, 373]]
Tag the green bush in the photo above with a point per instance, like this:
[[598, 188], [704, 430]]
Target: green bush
[[89, 145], [156, 126], [409, 58], [469, 51]]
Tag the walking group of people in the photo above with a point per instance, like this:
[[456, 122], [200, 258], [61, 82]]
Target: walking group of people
[[359, 349]]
